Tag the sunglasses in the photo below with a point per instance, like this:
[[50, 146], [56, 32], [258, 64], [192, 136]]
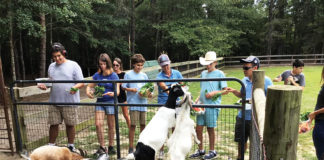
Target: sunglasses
[[246, 68], [116, 65]]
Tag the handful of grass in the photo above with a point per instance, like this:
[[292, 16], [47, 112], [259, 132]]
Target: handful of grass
[[72, 89], [184, 84], [147, 89], [99, 90], [215, 97], [304, 116]]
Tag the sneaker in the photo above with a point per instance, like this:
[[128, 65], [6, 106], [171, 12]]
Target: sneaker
[[100, 151], [73, 149], [111, 150], [198, 154], [130, 150], [161, 155], [211, 155]]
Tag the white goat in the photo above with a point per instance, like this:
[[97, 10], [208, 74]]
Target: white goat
[[155, 133], [180, 142]]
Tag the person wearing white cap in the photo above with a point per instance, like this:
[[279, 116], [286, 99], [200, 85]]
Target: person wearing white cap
[[166, 73], [208, 93], [250, 64]]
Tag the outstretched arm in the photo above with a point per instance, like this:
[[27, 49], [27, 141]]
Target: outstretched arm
[[312, 115]]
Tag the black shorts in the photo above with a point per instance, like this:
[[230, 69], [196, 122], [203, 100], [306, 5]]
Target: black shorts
[[238, 129]]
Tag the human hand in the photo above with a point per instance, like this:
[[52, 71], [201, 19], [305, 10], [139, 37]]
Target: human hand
[[133, 89], [41, 86], [90, 93], [208, 95], [229, 89], [73, 90], [311, 116], [111, 94]]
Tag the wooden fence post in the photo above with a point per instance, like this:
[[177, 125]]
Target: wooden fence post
[[258, 82], [281, 122]]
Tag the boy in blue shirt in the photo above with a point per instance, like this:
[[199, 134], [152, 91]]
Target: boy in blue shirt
[[137, 113], [250, 64], [208, 90]]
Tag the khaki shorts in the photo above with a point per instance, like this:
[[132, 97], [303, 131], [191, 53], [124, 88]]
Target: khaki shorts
[[56, 115], [137, 117]]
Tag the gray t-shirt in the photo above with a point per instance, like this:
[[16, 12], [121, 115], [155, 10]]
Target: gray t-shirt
[[68, 70], [298, 78]]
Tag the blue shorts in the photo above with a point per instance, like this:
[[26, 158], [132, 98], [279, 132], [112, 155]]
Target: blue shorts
[[107, 109], [208, 119]]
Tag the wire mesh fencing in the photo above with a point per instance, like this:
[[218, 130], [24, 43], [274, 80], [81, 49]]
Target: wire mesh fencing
[[34, 129]]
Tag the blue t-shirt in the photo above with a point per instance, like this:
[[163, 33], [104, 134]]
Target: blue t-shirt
[[248, 89], [211, 86], [109, 87], [163, 96], [134, 97]]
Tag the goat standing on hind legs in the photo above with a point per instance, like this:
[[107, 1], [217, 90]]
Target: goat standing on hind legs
[[155, 133], [180, 142]]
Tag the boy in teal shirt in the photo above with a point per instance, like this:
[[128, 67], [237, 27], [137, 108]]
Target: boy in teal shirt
[[137, 113], [208, 90]]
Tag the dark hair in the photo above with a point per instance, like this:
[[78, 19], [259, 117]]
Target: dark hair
[[118, 60], [298, 63], [103, 57], [58, 47], [137, 58]]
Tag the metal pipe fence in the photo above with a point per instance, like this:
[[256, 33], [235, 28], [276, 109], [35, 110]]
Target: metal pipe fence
[[32, 129]]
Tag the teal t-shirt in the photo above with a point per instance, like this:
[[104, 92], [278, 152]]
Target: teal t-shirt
[[211, 86], [133, 97]]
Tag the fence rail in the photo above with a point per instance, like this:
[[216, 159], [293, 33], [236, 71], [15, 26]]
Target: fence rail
[[33, 130], [274, 60]]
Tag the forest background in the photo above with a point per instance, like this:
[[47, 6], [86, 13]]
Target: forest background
[[185, 29]]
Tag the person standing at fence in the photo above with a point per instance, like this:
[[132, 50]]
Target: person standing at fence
[[293, 77], [63, 69], [137, 113], [118, 68], [105, 72], [250, 64], [318, 115], [166, 73], [208, 93]]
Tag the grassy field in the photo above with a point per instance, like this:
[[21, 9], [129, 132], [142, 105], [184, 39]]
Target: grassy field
[[305, 149]]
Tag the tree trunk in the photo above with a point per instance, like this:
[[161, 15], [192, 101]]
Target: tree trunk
[[12, 54], [269, 38], [281, 122], [18, 73], [132, 28], [21, 58], [42, 46]]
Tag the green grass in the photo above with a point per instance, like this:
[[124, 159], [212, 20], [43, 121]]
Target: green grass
[[312, 74], [305, 149]]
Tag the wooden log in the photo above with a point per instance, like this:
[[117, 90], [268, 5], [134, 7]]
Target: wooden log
[[281, 122]]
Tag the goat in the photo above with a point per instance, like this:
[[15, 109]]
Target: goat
[[155, 133], [54, 153], [180, 142]]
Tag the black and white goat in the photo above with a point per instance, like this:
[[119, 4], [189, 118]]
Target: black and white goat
[[155, 133], [180, 142]]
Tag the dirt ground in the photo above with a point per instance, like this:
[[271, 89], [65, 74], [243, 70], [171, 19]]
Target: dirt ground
[[8, 156]]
